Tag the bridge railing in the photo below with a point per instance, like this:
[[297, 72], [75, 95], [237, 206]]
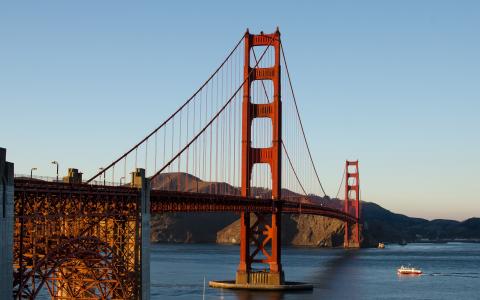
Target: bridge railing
[[36, 177], [61, 179]]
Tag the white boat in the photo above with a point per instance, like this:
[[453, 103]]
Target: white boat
[[408, 271]]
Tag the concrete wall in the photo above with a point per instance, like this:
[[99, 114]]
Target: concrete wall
[[145, 251], [6, 226], [140, 181]]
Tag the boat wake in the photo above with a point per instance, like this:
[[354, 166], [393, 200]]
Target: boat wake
[[464, 275]]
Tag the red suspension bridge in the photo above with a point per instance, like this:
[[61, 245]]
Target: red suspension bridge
[[236, 145]]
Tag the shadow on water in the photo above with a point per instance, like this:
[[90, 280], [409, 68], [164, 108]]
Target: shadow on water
[[322, 280], [267, 295], [332, 269]]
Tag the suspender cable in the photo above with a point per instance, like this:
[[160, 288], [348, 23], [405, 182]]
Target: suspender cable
[[213, 119], [293, 169], [341, 182], [175, 113], [300, 120]]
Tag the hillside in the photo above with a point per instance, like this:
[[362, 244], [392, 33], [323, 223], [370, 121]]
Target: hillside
[[378, 223]]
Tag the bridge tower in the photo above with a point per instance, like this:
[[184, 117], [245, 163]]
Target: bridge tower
[[266, 229], [352, 204]]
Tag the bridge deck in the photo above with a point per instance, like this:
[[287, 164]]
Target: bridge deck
[[174, 201]]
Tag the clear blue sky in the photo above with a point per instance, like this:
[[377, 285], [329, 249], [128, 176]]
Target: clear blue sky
[[395, 84]]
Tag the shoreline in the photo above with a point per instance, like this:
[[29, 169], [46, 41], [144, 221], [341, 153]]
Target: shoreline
[[314, 247]]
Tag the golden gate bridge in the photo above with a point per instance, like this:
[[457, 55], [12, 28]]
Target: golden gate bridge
[[236, 145]]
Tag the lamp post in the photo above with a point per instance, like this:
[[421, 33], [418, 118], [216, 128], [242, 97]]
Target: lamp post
[[55, 163], [31, 172], [123, 177]]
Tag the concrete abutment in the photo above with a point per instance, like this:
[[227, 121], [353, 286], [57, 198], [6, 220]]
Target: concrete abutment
[[6, 226], [140, 181]]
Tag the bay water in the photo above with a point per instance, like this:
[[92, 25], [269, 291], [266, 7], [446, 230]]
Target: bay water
[[451, 271]]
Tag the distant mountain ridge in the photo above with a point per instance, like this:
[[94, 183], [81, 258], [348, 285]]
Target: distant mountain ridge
[[378, 223], [384, 225]]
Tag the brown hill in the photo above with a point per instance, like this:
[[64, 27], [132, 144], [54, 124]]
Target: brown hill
[[378, 224], [224, 227]]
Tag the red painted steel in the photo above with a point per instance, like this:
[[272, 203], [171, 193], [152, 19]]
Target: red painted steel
[[173, 201], [77, 240], [272, 156], [352, 200], [90, 206], [82, 215]]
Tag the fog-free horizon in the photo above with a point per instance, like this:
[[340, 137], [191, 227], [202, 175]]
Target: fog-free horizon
[[394, 85]]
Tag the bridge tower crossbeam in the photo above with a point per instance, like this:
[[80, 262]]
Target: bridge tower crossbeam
[[352, 204], [266, 229]]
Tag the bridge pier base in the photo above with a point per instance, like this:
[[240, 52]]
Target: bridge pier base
[[6, 226], [260, 277], [352, 234]]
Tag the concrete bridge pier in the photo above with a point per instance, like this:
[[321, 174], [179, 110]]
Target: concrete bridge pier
[[6, 226], [140, 181]]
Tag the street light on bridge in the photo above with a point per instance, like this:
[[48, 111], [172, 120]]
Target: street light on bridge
[[31, 172], [123, 177], [55, 163]]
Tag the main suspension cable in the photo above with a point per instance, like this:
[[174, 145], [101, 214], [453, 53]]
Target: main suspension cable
[[293, 169], [299, 119], [173, 115], [216, 115], [341, 183]]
